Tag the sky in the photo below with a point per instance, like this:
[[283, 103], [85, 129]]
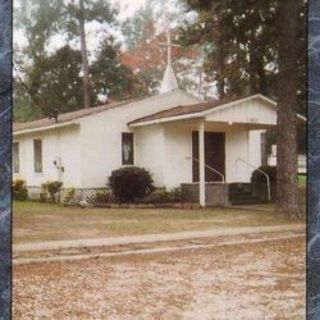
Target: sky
[[127, 9]]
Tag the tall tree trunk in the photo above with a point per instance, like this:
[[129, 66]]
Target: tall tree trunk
[[287, 192], [220, 75], [253, 66], [85, 64]]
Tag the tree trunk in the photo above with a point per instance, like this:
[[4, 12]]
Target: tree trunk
[[220, 75], [85, 65], [253, 69], [287, 191]]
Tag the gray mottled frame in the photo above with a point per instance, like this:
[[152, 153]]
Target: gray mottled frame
[[313, 249], [5, 156]]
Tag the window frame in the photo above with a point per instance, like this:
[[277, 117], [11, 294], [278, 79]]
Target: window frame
[[36, 169], [130, 137], [16, 157]]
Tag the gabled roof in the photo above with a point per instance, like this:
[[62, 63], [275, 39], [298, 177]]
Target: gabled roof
[[65, 117], [195, 110]]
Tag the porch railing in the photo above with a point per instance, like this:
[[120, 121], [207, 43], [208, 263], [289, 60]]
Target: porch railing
[[264, 173], [210, 168]]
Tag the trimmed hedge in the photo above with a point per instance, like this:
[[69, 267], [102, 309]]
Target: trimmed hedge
[[163, 196], [129, 184]]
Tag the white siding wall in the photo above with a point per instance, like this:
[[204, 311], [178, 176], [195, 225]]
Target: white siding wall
[[237, 146], [149, 153], [254, 111], [101, 137], [178, 148], [63, 143], [255, 147]]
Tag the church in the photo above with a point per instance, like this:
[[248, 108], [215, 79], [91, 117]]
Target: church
[[179, 139]]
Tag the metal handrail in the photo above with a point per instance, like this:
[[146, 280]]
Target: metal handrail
[[264, 173], [209, 167]]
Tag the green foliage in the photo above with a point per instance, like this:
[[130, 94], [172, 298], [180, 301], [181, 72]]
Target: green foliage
[[50, 189], [103, 197], [162, 195], [49, 80], [19, 190], [137, 28], [68, 195], [129, 184], [55, 82], [258, 177], [240, 42], [76, 12], [111, 78]]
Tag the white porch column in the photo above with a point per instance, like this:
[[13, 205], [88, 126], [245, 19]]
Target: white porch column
[[202, 183]]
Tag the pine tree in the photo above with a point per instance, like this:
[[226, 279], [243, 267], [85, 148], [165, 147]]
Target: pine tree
[[259, 46], [287, 194]]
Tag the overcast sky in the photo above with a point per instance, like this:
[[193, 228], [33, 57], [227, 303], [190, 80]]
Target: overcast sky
[[127, 9]]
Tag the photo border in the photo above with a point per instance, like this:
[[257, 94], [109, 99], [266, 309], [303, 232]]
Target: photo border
[[313, 185], [313, 220], [5, 156]]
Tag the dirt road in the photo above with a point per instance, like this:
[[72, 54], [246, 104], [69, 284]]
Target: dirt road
[[257, 280]]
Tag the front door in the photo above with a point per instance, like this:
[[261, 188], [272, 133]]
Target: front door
[[214, 155]]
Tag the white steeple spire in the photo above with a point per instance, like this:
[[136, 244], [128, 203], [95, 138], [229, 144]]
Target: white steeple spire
[[169, 81]]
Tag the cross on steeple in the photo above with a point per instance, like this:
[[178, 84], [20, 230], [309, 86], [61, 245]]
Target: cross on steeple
[[169, 46], [169, 81]]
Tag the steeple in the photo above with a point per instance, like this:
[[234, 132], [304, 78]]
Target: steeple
[[169, 81]]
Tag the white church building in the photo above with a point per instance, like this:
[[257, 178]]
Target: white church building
[[176, 136]]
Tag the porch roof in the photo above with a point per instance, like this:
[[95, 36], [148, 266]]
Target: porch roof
[[200, 110]]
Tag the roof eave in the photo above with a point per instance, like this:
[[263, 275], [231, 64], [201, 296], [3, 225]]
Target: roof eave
[[164, 120], [45, 128]]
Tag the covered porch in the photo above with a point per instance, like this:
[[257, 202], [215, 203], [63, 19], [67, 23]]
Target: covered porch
[[208, 147]]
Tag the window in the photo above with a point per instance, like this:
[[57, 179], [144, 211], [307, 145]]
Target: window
[[16, 160], [37, 153], [127, 148]]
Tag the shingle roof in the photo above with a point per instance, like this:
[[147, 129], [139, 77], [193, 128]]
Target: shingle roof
[[66, 117], [189, 109]]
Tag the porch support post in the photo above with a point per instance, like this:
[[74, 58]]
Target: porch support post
[[202, 183]]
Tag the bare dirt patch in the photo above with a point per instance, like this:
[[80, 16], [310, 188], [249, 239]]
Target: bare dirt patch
[[246, 281]]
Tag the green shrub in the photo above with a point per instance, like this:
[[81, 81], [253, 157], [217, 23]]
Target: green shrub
[[131, 183], [161, 195], [258, 177], [52, 189], [68, 195], [19, 190], [103, 197]]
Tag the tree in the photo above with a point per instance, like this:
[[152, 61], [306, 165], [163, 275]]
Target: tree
[[145, 57], [48, 77], [54, 82], [139, 28], [287, 197], [112, 79], [259, 46], [236, 37], [39, 21], [76, 15]]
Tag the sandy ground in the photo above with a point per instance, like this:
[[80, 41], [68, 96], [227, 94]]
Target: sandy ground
[[248, 281]]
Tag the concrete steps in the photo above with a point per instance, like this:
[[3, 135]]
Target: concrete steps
[[242, 194]]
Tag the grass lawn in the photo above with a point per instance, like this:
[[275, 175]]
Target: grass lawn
[[33, 221], [302, 180]]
